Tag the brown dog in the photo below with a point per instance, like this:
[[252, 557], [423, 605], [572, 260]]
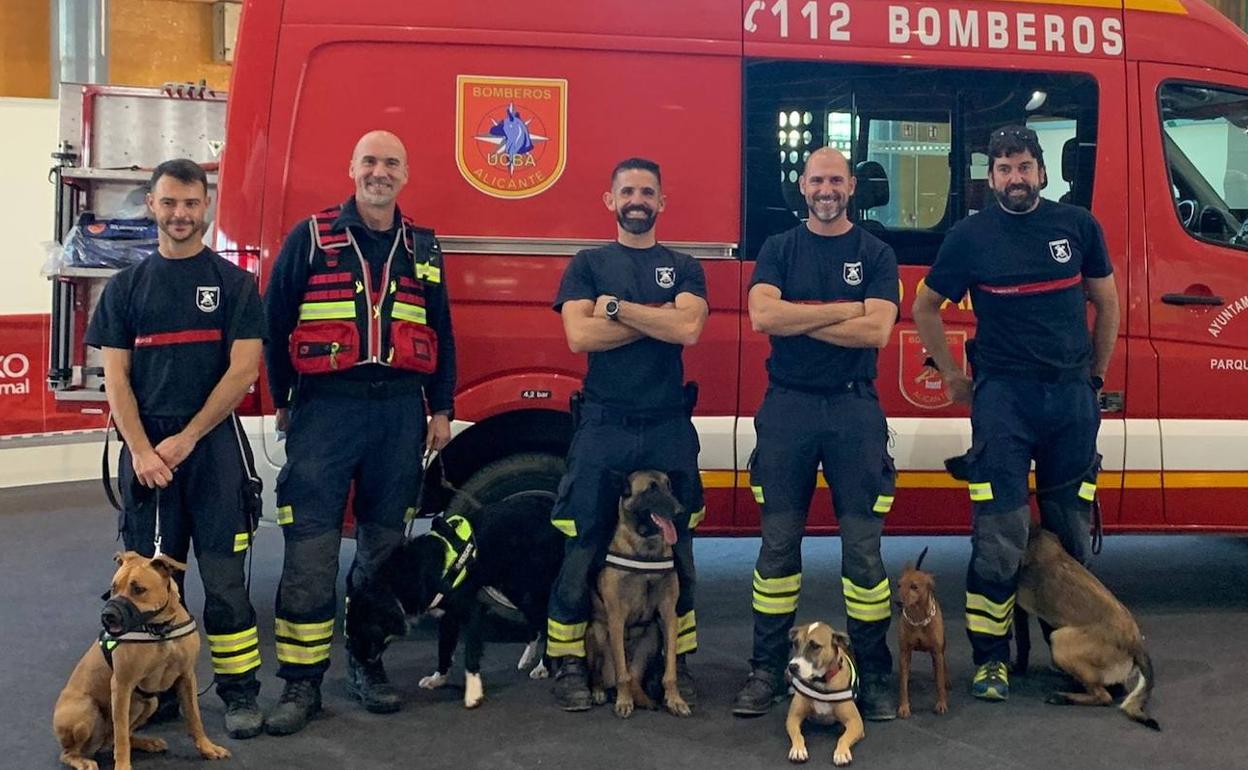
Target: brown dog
[[1096, 639], [106, 700], [922, 629], [637, 583], [824, 681]]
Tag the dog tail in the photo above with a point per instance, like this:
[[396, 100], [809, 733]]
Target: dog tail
[[1136, 703]]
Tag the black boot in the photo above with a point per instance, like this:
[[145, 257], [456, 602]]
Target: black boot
[[571, 687], [243, 718], [684, 681], [877, 697], [301, 699], [367, 683], [761, 690]]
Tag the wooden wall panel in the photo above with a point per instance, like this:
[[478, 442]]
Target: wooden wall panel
[[25, 44], [156, 41]]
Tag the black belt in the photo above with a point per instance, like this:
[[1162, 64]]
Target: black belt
[[333, 385], [607, 416], [850, 386]]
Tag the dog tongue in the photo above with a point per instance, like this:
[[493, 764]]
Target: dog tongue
[[669, 530]]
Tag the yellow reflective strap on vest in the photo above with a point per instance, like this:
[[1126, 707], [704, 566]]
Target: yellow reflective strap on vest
[[408, 312], [326, 311], [428, 272]]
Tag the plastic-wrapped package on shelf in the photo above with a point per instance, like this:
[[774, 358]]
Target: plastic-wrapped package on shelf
[[107, 243]]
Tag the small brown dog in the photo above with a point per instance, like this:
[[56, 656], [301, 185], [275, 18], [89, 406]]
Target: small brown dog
[[1096, 639], [150, 643], [922, 629], [824, 681], [637, 585]]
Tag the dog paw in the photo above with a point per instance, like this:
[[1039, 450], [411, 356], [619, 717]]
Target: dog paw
[[623, 707], [798, 754], [434, 681], [148, 744], [528, 656], [1056, 699], [210, 750], [79, 762], [903, 711], [474, 691], [941, 707], [540, 671], [599, 696], [678, 707], [842, 757]]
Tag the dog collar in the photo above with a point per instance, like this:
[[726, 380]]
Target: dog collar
[[931, 613], [639, 564], [148, 634], [818, 691]]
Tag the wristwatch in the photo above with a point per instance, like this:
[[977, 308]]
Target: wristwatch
[[1097, 382], [613, 309]]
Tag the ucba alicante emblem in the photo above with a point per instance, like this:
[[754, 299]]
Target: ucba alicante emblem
[[511, 133], [922, 385]]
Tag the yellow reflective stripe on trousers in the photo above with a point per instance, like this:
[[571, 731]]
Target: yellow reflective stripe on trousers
[[985, 616], [1087, 491], [326, 311], [241, 541], [305, 632], [981, 492], [686, 633], [236, 664], [696, 517], [301, 655], [776, 596], [867, 604], [408, 312], [224, 643], [883, 504], [566, 526], [758, 493], [565, 638], [285, 514]]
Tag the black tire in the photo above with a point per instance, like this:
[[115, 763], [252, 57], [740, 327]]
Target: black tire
[[520, 474]]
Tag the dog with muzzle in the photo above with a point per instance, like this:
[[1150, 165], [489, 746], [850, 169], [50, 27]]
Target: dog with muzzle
[[825, 682], [149, 644]]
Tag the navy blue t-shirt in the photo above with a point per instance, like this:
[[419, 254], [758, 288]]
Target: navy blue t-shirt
[[807, 267], [179, 318], [1024, 272], [646, 375]]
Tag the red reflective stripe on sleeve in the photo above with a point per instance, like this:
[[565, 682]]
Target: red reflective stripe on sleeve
[[1034, 288], [178, 338], [329, 278]]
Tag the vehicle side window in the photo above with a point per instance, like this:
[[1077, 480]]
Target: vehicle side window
[[1203, 132], [916, 139]]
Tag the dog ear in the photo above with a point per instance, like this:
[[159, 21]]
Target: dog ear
[[677, 479], [793, 633], [619, 481], [118, 558], [167, 565], [842, 640]]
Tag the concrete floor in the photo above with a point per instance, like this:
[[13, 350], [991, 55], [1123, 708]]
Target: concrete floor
[[1189, 595]]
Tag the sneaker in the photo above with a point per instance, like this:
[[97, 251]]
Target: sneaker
[[301, 699], [368, 683], [684, 681], [761, 690], [571, 687], [242, 716], [877, 697], [991, 682]]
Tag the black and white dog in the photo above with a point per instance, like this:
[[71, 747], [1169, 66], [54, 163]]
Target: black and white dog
[[494, 568]]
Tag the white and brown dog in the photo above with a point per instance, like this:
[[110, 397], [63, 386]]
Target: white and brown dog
[[824, 680]]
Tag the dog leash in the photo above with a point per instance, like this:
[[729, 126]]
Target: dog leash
[[426, 460]]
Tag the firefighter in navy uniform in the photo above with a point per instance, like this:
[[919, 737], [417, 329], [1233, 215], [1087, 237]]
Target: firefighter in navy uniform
[[826, 292], [181, 334], [632, 306], [1030, 265], [360, 341]]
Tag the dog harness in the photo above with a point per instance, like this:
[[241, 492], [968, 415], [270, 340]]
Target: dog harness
[[639, 564], [816, 689], [149, 633], [455, 532]]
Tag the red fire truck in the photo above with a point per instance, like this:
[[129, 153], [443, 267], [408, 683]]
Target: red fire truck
[[1141, 105]]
